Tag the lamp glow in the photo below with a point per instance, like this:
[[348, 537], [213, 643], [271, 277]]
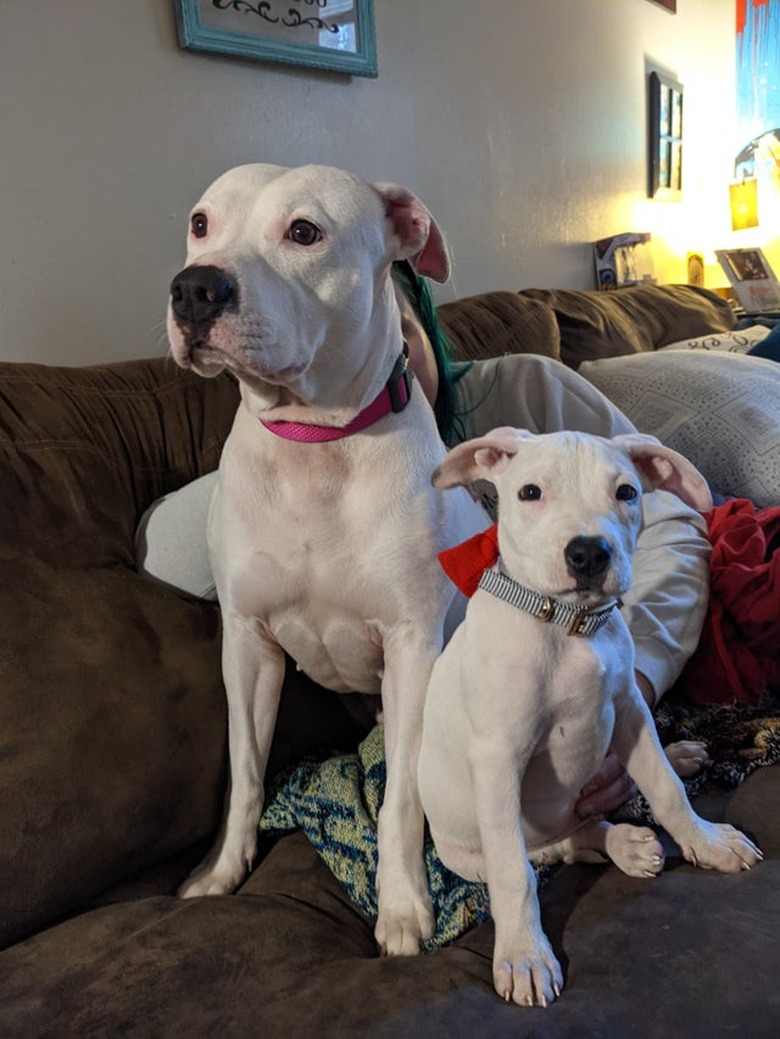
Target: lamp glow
[[743, 198]]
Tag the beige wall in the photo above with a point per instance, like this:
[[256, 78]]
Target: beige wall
[[520, 123]]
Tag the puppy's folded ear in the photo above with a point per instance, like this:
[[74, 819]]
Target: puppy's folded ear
[[421, 241], [480, 459], [661, 468]]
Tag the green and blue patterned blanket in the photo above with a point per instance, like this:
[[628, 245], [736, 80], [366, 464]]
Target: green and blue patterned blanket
[[336, 802]]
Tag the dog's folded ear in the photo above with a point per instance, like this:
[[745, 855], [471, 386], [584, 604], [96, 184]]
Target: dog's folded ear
[[421, 240], [480, 459], [661, 468]]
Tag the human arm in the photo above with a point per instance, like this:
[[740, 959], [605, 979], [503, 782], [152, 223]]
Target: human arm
[[667, 603]]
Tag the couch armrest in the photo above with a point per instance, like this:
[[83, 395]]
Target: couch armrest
[[112, 713]]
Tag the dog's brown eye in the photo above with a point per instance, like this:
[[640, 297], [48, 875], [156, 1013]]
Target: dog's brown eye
[[530, 492], [199, 225], [627, 492], [304, 232]]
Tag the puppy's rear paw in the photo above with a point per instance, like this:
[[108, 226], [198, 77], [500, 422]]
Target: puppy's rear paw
[[528, 976], [635, 849]]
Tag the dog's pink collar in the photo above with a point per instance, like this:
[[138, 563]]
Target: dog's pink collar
[[393, 398]]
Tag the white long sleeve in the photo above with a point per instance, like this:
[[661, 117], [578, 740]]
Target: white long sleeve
[[667, 603]]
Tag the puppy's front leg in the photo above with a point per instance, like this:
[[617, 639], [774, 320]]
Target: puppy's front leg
[[405, 915], [253, 669], [718, 846], [525, 969]]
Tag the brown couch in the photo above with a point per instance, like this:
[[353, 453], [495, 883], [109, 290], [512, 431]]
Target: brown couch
[[112, 762]]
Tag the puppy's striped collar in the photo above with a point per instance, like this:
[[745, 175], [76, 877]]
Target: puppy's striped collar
[[393, 398], [578, 620]]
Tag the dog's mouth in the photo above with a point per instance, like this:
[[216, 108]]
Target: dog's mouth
[[197, 354], [591, 592], [581, 596], [590, 585], [206, 357]]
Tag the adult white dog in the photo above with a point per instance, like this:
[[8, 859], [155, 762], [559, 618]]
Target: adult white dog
[[324, 528], [538, 683]]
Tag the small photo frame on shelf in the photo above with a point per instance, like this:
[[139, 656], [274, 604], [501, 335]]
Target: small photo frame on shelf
[[665, 139], [752, 278], [332, 35]]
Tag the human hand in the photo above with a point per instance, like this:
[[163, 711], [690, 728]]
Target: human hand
[[687, 756], [607, 788]]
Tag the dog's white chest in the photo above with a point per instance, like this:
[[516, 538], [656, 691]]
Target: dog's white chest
[[341, 652], [307, 594], [331, 555]]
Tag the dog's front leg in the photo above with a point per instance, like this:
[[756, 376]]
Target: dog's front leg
[[404, 915], [525, 968], [253, 669], [718, 846]]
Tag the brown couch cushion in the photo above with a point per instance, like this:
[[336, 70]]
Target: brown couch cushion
[[683, 954], [631, 320], [112, 709], [111, 706], [496, 323]]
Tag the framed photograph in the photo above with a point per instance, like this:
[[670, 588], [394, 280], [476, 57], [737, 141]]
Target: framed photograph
[[753, 280], [665, 138], [334, 35], [670, 5]]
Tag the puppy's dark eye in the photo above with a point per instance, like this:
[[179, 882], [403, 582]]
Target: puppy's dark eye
[[199, 225], [627, 492], [304, 232], [530, 492]]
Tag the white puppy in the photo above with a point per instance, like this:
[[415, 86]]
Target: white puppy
[[323, 529], [538, 683]]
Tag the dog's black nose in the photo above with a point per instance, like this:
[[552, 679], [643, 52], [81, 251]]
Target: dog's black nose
[[587, 558], [200, 294]]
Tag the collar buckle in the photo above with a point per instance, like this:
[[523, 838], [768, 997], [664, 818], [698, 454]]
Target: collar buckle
[[580, 626], [399, 384]]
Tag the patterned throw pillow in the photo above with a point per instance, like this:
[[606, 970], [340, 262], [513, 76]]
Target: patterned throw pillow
[[720, 410], [738, 341]]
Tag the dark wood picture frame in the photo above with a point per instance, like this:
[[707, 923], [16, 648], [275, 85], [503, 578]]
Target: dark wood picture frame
[[669, 5], [665, 138]]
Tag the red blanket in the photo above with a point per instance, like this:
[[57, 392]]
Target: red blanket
[[739, 651], [738, 655]]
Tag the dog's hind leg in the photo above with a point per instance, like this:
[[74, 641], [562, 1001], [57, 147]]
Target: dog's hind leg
[[253, 668], [635, 850]]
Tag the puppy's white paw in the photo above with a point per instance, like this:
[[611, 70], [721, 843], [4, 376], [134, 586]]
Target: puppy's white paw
[[687, 756], [527, 973], [635, 849], [398, 932], [721, 847]]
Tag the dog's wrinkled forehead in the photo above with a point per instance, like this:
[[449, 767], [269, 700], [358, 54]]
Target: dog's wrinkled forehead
[[568, 460], [262, 199]]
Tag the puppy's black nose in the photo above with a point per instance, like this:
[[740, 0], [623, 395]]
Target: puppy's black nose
[[587, 559], [200, 294]]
